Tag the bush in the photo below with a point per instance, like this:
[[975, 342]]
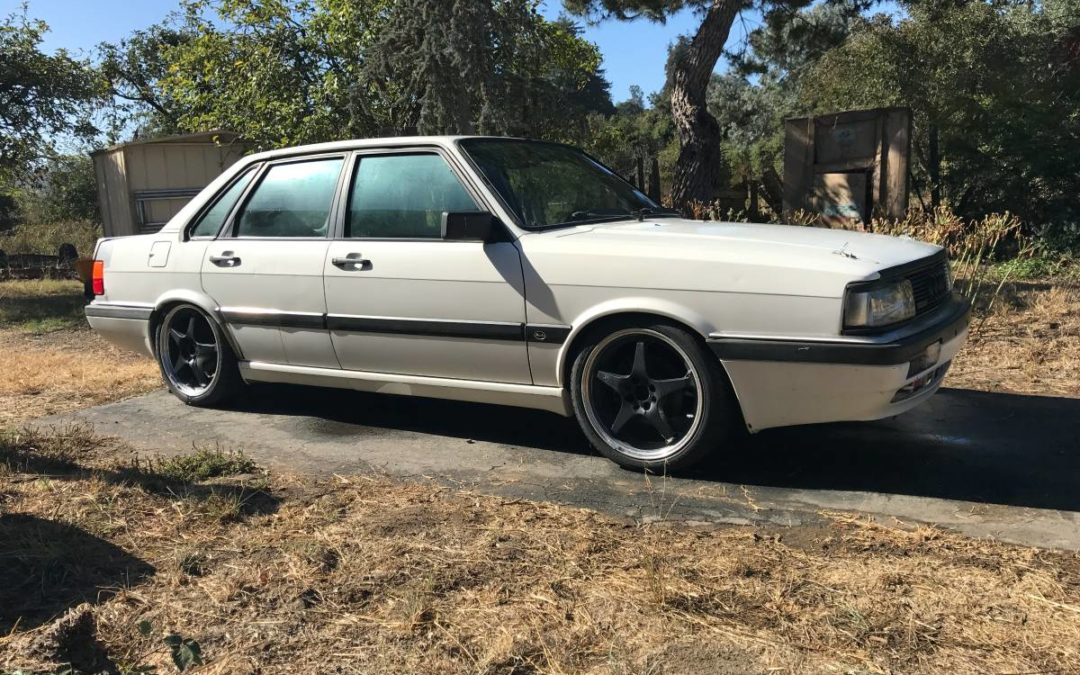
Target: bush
[[46, 239], [1058, 239]]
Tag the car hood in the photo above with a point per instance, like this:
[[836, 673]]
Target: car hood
[[672, 252], [873, 251]]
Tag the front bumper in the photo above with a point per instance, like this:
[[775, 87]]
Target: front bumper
[[783, 382]]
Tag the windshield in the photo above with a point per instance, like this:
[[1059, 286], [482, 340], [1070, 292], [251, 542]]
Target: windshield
[[548, 185]]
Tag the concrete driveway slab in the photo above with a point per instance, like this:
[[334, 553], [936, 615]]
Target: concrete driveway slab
[[1005, 466]]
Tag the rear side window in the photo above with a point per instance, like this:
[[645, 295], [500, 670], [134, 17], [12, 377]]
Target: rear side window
[[292, 200], [404, 196], [213, 220]]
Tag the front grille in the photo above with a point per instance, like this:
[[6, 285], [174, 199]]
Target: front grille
[[930, 285]]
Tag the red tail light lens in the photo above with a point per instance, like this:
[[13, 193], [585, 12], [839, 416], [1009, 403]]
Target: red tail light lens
[[98, 278]]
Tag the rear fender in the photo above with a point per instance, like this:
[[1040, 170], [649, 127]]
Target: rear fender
[[200, 300]]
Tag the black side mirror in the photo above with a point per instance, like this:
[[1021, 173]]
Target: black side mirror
[[470, 226]]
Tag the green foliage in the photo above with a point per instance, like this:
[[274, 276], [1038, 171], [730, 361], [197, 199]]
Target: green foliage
[[276, 71], [287, 72], [41, 95], [46, 237], [1037, 267], [752, 99], [999, 83], [133, 69], [60, 189], [205, 463], [186, 653], [634, 131], [42, 306]]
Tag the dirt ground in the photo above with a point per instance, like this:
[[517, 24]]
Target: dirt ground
[[119, 563]]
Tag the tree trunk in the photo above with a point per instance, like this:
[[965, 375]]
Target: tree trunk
[[698, 170]]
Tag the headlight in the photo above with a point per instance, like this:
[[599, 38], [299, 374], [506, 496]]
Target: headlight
[[880, 306]]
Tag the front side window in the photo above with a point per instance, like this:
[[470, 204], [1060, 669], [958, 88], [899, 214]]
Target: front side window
[[292, 200], [548, 185], [212, 221], [403, 197]]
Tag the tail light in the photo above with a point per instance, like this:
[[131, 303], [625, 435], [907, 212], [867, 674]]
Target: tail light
[[97, 279]]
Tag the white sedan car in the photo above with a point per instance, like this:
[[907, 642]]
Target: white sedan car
[[523, 273]]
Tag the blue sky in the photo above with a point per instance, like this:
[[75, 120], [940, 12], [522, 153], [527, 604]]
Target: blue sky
[[634, 53]]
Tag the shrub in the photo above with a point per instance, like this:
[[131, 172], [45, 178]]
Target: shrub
[[47, 238]]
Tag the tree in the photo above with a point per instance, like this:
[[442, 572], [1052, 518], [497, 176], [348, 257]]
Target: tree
[[753, 98], [134, 69], [41, 95], [286, 72], [62, 189], [276, 71], [699, 170], [636, 134], [482, 66]]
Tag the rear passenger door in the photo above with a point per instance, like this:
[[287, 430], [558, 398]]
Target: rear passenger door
[[265, 268], [401, 299]]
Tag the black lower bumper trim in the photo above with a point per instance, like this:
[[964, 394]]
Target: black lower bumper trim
[[103, 311], [886, 353]]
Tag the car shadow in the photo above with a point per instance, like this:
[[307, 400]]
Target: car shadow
[[51, 566], [994, 448], [345, 413]]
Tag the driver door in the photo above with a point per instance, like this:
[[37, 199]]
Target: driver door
[[402, 300]]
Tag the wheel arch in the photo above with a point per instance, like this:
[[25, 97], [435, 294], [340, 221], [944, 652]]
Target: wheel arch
[[625, 309], [644, 311], [170, 299]]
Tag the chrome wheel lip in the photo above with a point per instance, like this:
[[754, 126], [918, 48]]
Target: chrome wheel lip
[[164, 352], [640, 454]]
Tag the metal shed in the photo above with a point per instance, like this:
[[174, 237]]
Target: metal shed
[[142, 184]]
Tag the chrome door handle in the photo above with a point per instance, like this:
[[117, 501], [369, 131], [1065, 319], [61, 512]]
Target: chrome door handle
[[226, 260], [352, 262]]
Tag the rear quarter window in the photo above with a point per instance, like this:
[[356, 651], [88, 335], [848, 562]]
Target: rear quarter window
[[211, 221]]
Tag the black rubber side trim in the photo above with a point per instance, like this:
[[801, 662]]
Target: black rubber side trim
[[478, 330], [889, 353], [546, 334], [104, 311], [278, 319]]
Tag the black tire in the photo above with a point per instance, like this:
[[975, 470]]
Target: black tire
[[686, 431], [195, 359]]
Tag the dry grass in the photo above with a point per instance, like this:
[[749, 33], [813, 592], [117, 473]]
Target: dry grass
[[65, 370], [1026, 339], [362, 574], [52, 362]]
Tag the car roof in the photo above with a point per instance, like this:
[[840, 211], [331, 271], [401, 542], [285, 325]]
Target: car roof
[[354, 144]]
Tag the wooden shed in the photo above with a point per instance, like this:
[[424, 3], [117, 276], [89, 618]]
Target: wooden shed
[[848, 166], [142, 184]]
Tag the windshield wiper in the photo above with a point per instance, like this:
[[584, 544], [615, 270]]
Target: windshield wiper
[[606, 213], [646, 211]]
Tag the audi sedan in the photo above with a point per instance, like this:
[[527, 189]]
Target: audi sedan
[[523, 273]]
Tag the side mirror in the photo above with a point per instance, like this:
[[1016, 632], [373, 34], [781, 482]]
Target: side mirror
[[470, 226]]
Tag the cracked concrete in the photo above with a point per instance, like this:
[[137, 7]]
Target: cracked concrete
[[989, 465]]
